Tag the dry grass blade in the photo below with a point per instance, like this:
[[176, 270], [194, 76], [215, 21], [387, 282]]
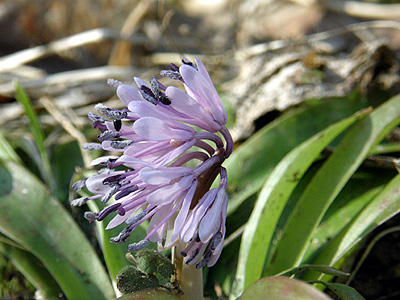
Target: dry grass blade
[[69, 127], [122, 51]]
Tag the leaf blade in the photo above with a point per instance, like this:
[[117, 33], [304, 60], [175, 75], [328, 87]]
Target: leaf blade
[[328, 182], [257, 237], [29, 216], [248, 167]]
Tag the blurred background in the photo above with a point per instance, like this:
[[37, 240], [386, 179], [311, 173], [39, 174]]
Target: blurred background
[[271, 46], [264, 56]]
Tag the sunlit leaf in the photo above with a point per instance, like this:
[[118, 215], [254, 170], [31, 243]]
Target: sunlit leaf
[[45, 167], [380, 209], [329, 181], [29, 216], [273, 197], [363, 186], [251, 163]]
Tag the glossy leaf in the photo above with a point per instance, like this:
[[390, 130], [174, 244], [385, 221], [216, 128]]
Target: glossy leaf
[[329, 181], [250, 164], [6, 151], [380, 209], [282, 288], [29, 216], [317, 268], [364, 186], [272, 200]]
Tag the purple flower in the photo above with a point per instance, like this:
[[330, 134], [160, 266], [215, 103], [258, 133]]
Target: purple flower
[[160, 133]]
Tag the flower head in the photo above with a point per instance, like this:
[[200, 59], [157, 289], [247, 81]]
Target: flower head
[[159, 132]]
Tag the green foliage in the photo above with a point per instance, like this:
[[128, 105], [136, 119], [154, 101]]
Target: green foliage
[[308, 213], [302, 214], [37, 132]]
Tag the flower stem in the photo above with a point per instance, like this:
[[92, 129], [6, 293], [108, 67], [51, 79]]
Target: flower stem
[[189, 278]]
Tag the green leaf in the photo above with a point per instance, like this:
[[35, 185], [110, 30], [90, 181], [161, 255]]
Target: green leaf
[[318, 268], [7, 152], [328, 182], [272, 200], [22, 97], [32, 269], [29, 216], [364, 186], [344, 292], [380, 209], [282, 288], [251, 163]]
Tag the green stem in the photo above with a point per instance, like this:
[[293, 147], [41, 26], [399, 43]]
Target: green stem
[[189, 278]]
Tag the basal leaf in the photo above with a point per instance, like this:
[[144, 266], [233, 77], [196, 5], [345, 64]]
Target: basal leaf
[[318, 268], [328, 182], [385, 205], [251, 163], [363, 186], [44, 165], [29, 216], [273, 197]]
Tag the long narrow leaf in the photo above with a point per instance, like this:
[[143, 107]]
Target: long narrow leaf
[[361, 189], [45, 168], [251, 164], [29, 216], [384, 206], [6, 151], [276, 191], [328, 182]]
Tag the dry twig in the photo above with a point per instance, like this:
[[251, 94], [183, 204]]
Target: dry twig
[[122, 51], [72, 78], [363, 9], [317, 37], [55, 111]]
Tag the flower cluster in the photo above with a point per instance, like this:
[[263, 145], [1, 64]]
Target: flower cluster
[[158, 134]]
